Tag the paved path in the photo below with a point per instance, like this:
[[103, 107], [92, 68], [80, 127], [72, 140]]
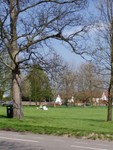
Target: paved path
[[27, 141]]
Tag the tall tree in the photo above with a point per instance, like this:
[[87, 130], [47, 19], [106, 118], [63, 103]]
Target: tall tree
[[26, 26], [104, 50], [89, 83]]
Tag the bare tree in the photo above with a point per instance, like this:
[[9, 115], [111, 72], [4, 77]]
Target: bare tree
[[55, 72], [67, 82], [88, 82], [27, 26], [104, 51], [5, 78]]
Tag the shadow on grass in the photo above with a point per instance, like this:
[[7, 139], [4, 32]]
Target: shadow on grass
[[90, 119], [3, 116], [68, 119]]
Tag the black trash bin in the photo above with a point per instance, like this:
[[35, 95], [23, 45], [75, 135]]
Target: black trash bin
[[9, 111]]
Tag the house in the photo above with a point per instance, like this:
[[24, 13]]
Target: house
[[58, 100], [102, 100]]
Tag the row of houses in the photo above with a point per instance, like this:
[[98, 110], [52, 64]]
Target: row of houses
[[101, 100]]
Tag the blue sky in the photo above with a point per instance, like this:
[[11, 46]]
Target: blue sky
[[68, 56]]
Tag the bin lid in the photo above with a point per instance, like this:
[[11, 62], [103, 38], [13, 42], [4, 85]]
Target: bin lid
[[8, 103]]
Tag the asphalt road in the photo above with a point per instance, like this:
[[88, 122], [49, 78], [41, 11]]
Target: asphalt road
[[27, 141]]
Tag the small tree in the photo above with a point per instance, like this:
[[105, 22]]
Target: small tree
[[68, 83], [39, 84]]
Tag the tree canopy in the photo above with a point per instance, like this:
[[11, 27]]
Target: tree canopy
[[39, 84]]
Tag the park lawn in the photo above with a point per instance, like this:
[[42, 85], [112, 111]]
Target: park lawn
[[89, 122]]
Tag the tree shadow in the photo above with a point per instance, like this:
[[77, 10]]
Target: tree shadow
[[91, 119], [3, 116]]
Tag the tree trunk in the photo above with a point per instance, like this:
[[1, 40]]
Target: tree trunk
[[16, 94], [110, 90], [109, 114], [16, 80]]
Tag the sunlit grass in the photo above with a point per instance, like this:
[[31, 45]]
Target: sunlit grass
[[76, 121]]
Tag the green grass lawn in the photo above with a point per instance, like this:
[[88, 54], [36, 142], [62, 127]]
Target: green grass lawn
[[72, 121]]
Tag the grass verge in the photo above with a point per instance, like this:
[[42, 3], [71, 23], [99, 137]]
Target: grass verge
[[89, 122]]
